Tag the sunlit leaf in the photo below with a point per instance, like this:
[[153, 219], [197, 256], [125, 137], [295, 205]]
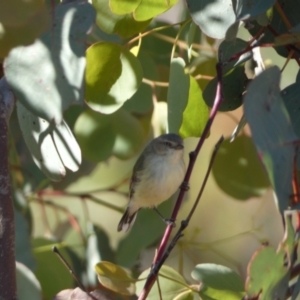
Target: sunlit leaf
[[123, 7], [195, 114], [148, 9], [122, 24], [53, 147], [115, 278], [217, 18], [48, 76], [112, 77], [171, 285]]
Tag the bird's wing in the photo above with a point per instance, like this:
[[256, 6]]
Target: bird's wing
[[136, 175]]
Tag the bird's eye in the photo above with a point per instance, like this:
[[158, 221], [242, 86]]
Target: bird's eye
[[168, 144]]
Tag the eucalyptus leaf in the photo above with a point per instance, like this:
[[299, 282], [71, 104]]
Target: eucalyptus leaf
[[53, 147], [178, 93], [272, 132], [216, 18], [112, 77], [112, 22], [171, 284], [148, 9], [47, 76]]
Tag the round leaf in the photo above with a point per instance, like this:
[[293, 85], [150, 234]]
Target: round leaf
[[47, 76], [111, 77], [148, 9], [124, 25], [234, 85], [102, 71], [115, 278], [218, 282], [214, 18], [238, 170], [195, 114], [171, 283], [123, 7], [118, 134]]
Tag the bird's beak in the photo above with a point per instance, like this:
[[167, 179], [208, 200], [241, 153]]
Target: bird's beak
[[179, 146]]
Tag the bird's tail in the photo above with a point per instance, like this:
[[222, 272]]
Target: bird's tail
[[127, 220]]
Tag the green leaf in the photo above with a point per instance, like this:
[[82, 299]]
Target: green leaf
[[246, 178], [234, 77], [53, 147], [214, 18], [195, 114], [22, 238], [178, 93], [48, 76], [115, 278], [143, 9], [40, 144], [290, 96], [158, 48], [171, 283], [268, 274], [272, 132], [28, 287], [269, 270], [102, 71], [51, 273], [123, 7], [122, 24], [217, 18], [119, 134], [112, 77], [228, 49], [148, 9], [234, 85], [218, 282]]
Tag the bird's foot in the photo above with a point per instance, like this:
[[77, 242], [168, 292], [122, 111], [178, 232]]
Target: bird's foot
[[185, 186], [170, 222], [167, 221]]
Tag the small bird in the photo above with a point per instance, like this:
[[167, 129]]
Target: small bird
[[157, 174]]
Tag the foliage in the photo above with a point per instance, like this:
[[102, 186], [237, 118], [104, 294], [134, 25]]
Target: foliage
[[95, 81]]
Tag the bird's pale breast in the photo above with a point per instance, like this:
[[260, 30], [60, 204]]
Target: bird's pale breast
[[162, 178]]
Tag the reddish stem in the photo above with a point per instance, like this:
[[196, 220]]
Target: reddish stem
[[193, 156]]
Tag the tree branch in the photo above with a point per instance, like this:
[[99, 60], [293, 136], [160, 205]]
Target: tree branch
[[8, 287]]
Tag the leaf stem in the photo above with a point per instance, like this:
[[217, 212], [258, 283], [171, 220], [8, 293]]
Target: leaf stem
[[152, 31]]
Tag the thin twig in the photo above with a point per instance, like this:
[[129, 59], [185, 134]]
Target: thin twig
[[65, 263]]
